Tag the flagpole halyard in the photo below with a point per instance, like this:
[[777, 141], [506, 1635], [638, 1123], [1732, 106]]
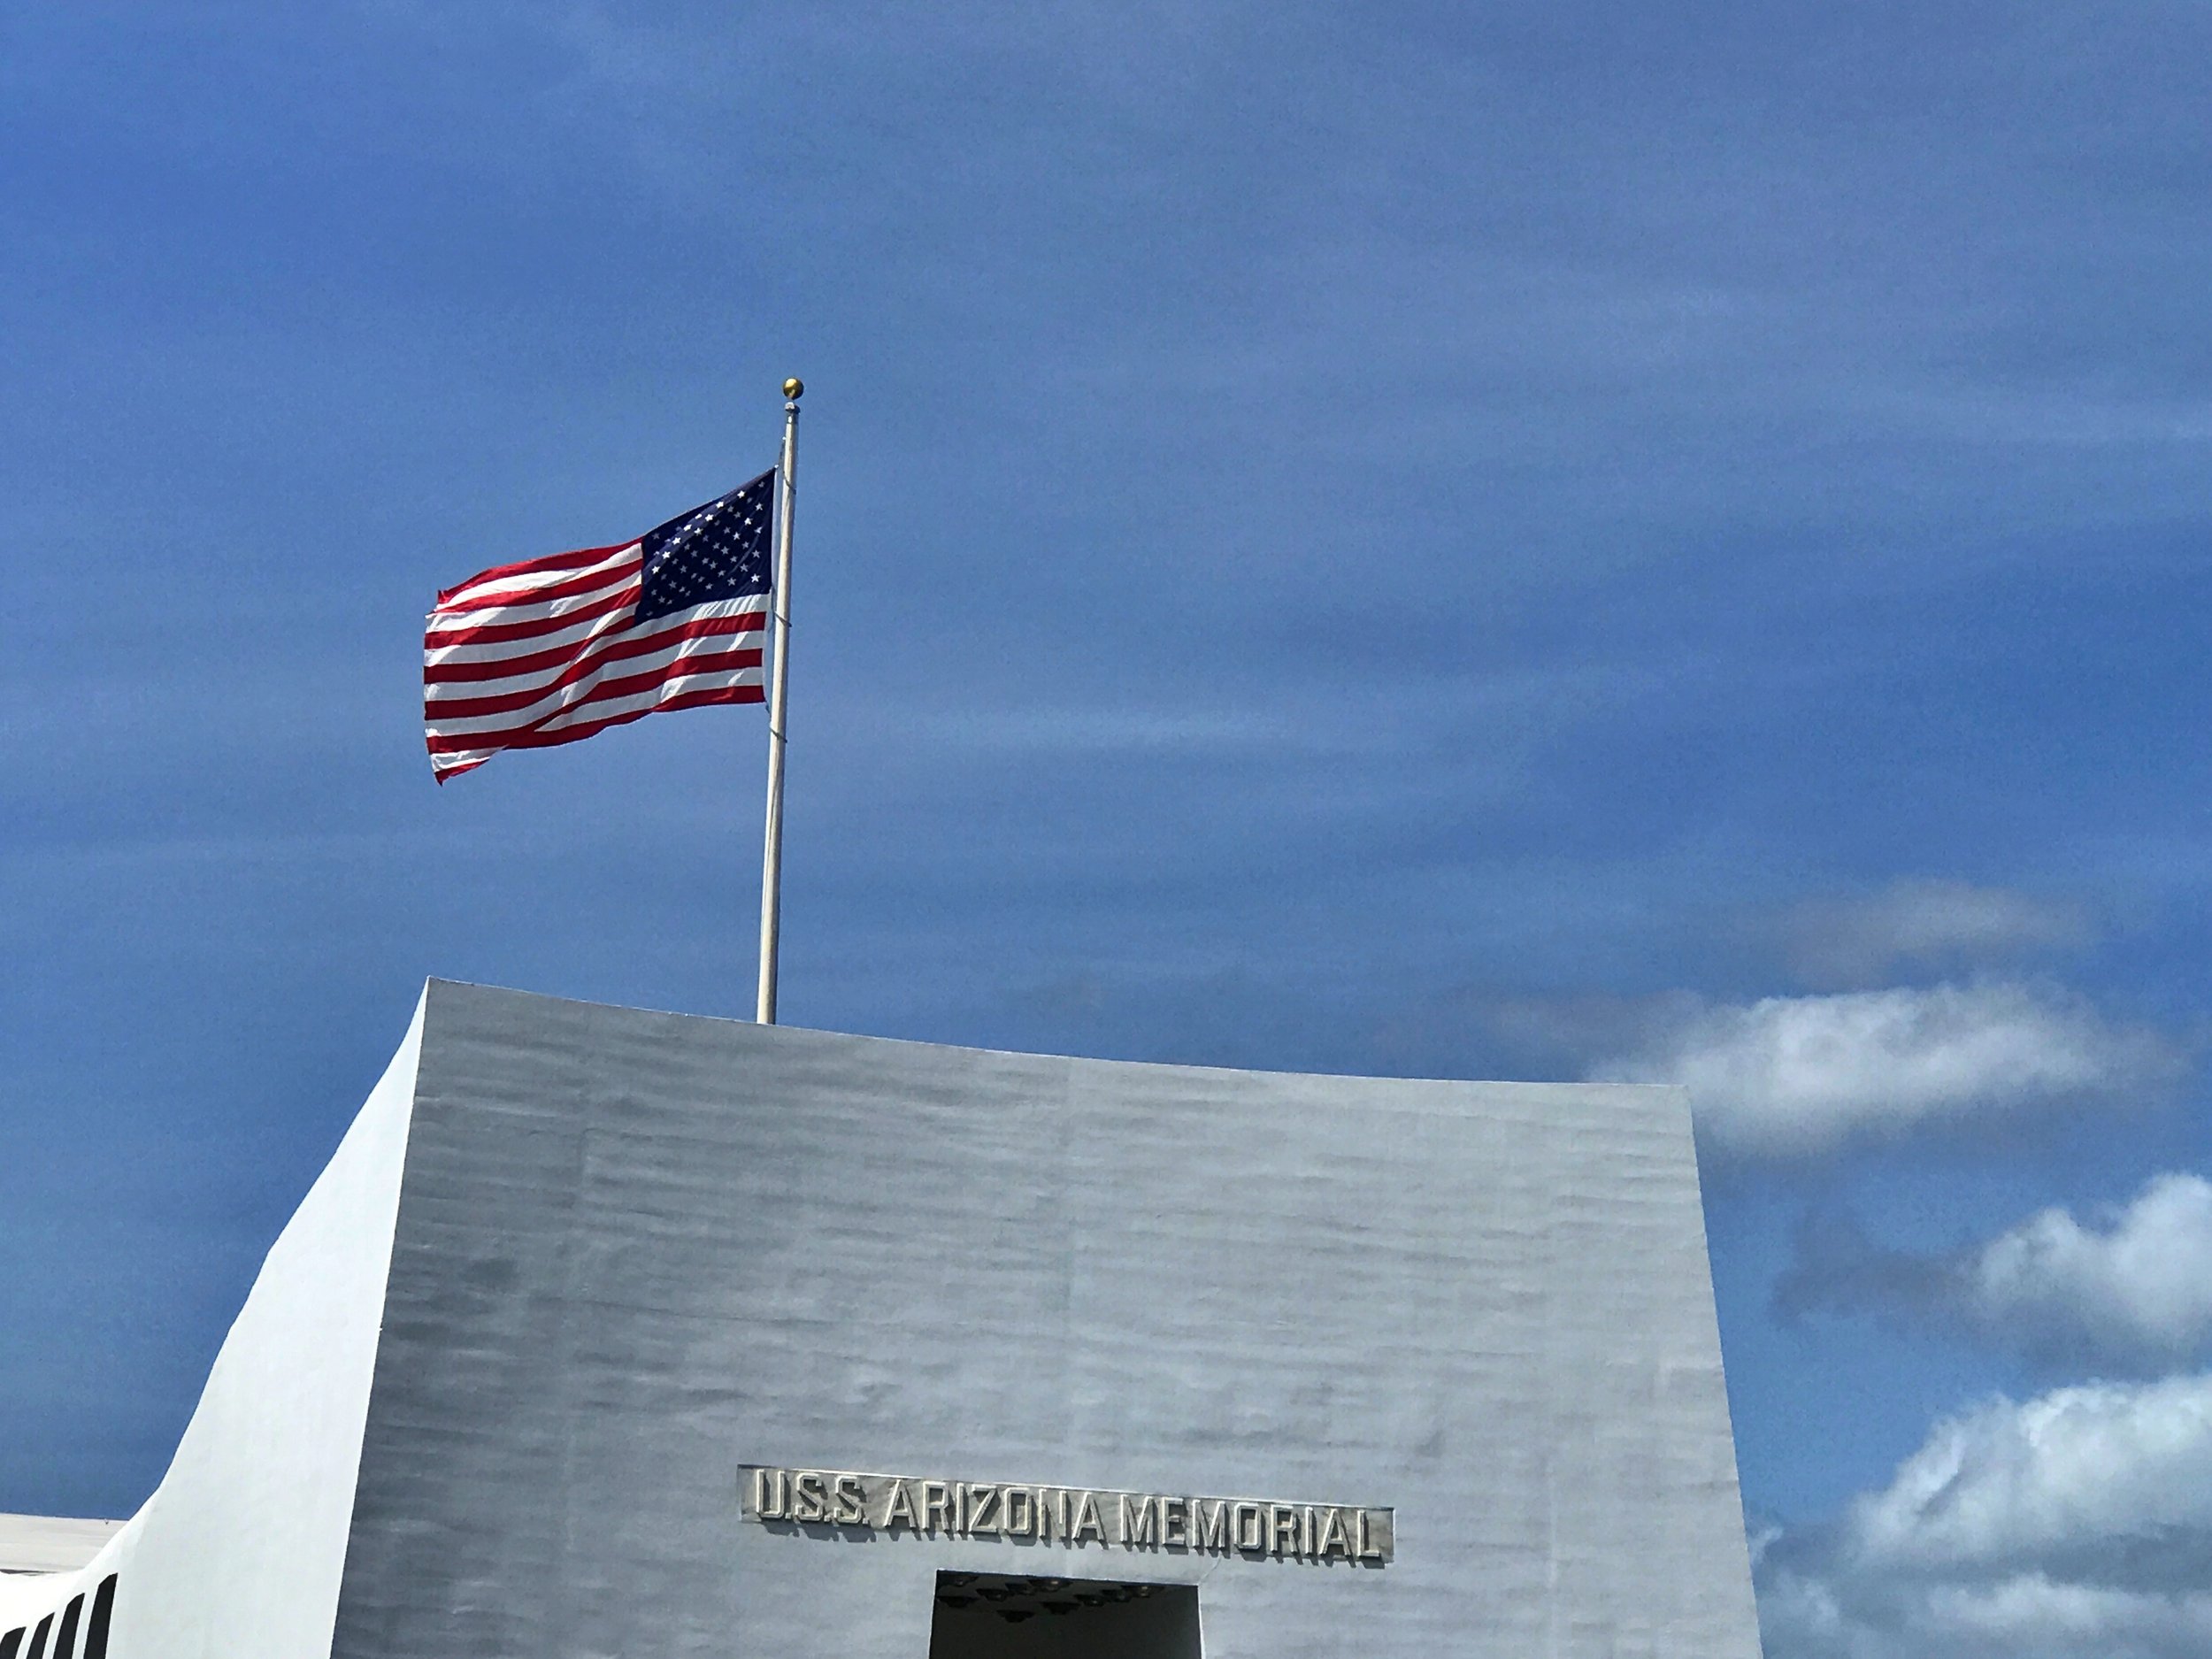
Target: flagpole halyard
[[772, 850]]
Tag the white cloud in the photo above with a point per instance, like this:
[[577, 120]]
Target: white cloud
[[1796, 1075], [2139, 1286], [2009, 1487], [1839, 942], [2130, 1290], [2076, 1526], [2026, 1616]]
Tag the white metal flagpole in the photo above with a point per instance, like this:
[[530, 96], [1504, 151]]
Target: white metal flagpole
[[772, 850]]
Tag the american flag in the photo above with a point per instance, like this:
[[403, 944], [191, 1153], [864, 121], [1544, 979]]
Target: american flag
[[553, 649]]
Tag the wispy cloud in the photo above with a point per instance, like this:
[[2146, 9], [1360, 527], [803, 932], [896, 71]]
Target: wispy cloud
[[2074, 1525], [2129, 1290], [1836, 943], [1800, 1076]]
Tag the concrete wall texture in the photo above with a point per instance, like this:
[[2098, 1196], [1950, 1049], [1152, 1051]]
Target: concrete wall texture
[[631, 1253]]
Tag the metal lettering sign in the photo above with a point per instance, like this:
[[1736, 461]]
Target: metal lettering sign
[[1070, 1515]]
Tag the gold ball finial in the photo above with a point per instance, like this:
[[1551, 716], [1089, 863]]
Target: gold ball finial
[[792, 387]]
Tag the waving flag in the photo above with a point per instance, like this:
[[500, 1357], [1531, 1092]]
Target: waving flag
[[553, 649]]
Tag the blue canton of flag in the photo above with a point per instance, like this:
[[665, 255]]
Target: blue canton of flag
[[718, 551]]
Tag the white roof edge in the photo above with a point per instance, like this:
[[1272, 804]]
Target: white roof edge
[[51, 1543]]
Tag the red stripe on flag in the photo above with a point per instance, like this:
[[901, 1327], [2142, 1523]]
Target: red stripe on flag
[[518, 598], [618, 650], [570, 734], [576, 560], [530, 662], [534, 628], [605, 691]]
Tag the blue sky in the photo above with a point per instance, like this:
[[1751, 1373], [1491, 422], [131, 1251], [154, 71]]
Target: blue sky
[[1531, 540]]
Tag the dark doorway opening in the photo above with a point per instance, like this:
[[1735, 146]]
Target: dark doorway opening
[[991, 1616]]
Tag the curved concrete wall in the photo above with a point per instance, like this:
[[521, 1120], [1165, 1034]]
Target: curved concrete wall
[[636, 1251], [618, 1256]]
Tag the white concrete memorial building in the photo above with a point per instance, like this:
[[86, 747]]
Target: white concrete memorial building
[[619, 1334]]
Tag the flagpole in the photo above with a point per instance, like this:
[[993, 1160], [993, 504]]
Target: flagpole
[[772, 850]]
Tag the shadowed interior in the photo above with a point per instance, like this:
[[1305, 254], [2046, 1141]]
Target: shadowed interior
[[985, 1615]]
